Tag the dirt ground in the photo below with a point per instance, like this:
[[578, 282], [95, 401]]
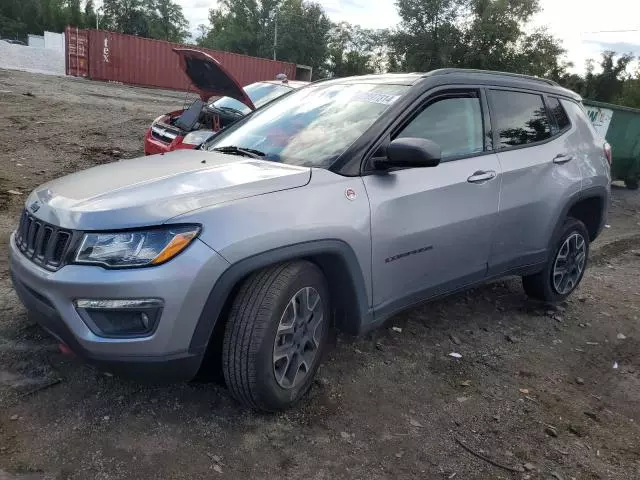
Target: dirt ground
[[538, 393]]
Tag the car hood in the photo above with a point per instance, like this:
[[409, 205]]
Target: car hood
[[151, 190], [209, 77]]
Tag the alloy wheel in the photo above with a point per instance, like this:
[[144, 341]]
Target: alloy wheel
[[569, 264], [298, 337]]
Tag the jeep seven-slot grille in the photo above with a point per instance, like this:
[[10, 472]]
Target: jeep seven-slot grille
[[41, 242]]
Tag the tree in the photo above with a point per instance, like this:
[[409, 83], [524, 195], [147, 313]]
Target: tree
[[355, 51], [249, 27], [90, 16], [493, 37], [611, 84], [167, 22], [125, 16], [53, 15], [235, 26], [303, 33], [608, 85], [483, 34], [161, 19], [428, 35], [539, 53], [74, 13], [630, 93]]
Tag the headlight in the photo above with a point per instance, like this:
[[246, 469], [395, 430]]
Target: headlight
[[137, 248], [198, 137]]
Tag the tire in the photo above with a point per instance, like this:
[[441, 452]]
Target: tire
[[542, 286], [262, 305], [632, 183]]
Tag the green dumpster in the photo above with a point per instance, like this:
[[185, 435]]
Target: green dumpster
[[621, 128]]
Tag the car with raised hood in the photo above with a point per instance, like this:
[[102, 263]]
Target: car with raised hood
[[222, 102], [336, 206]]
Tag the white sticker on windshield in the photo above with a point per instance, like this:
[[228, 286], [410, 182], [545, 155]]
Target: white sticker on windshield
[[381, 98]]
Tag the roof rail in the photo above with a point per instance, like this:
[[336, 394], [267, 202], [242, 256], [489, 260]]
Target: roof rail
[[445, 71]]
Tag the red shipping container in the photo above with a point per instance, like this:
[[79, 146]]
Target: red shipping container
[[114, 57], [77, 52]]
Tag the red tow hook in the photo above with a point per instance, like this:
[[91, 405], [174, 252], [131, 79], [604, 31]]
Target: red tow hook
[[65, 350]]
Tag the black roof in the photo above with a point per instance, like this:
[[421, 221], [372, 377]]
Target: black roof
[[384, 78], [463, 75]]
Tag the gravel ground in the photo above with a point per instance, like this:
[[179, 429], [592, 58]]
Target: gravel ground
[[539, 393]]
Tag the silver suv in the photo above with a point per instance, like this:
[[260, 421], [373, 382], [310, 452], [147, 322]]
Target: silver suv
[[338, 205]]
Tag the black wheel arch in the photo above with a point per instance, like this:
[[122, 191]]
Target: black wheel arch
[[581, 206], [335, 258]]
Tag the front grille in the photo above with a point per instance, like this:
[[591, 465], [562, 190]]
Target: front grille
[[164, 133], [44, 244]]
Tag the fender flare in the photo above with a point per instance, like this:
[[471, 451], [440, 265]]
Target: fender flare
[[599, 191], [335, 249]]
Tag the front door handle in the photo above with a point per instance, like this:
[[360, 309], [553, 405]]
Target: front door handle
[[482, 176], [562, 158]]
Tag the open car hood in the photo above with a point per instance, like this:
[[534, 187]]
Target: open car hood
[[209, 77]]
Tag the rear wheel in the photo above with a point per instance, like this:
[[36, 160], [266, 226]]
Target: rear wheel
[[632, 183], [565, 267], [275, 335]]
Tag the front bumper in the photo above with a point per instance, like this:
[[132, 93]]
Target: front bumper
[[153, 146], [183, 284]]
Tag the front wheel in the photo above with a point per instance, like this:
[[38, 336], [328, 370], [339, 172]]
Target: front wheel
[[565, 267], [275, 335]]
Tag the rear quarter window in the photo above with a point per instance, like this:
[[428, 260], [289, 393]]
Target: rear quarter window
[[520, 118], [557, 111]]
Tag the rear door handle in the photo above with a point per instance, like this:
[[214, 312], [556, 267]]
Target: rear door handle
[[482, 176], [562, 158]]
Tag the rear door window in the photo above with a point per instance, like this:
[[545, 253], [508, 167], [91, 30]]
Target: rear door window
[[453, 122], [519, 118]]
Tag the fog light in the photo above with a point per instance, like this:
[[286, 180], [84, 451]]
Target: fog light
[[119, 304], [120, 318]]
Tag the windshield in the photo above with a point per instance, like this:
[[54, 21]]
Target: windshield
[[259, 93], [313, 126]]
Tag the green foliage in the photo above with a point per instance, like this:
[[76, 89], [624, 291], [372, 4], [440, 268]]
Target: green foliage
[[74, 13], [249, 27], [483, 34], [303, 33], [612, 83], [20, 17], [429, 33], [89, 14], [246, 27], [167, 22], [630, 92], [161, 19], [355, 51]]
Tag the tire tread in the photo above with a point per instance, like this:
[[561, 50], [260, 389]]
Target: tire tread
[[247, 322], [537, 286]]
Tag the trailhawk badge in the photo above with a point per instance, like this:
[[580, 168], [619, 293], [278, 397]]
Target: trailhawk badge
[[35, 206], [350, 193]]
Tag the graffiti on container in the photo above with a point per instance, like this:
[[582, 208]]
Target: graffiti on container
[[601, 118], [105, 50]]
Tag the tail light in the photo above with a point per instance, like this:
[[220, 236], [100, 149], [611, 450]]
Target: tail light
[[608, 153]]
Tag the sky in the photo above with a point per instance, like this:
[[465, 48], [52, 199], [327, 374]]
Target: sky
[[572, 21]]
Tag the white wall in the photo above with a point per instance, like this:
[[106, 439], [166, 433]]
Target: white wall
[[36, 41], [31, 59], [54, 41]]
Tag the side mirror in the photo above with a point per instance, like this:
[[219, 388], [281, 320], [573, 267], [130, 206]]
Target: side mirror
[[410, 152]]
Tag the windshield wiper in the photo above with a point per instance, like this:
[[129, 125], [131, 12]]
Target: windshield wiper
[[231, 109], [246, 152]]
